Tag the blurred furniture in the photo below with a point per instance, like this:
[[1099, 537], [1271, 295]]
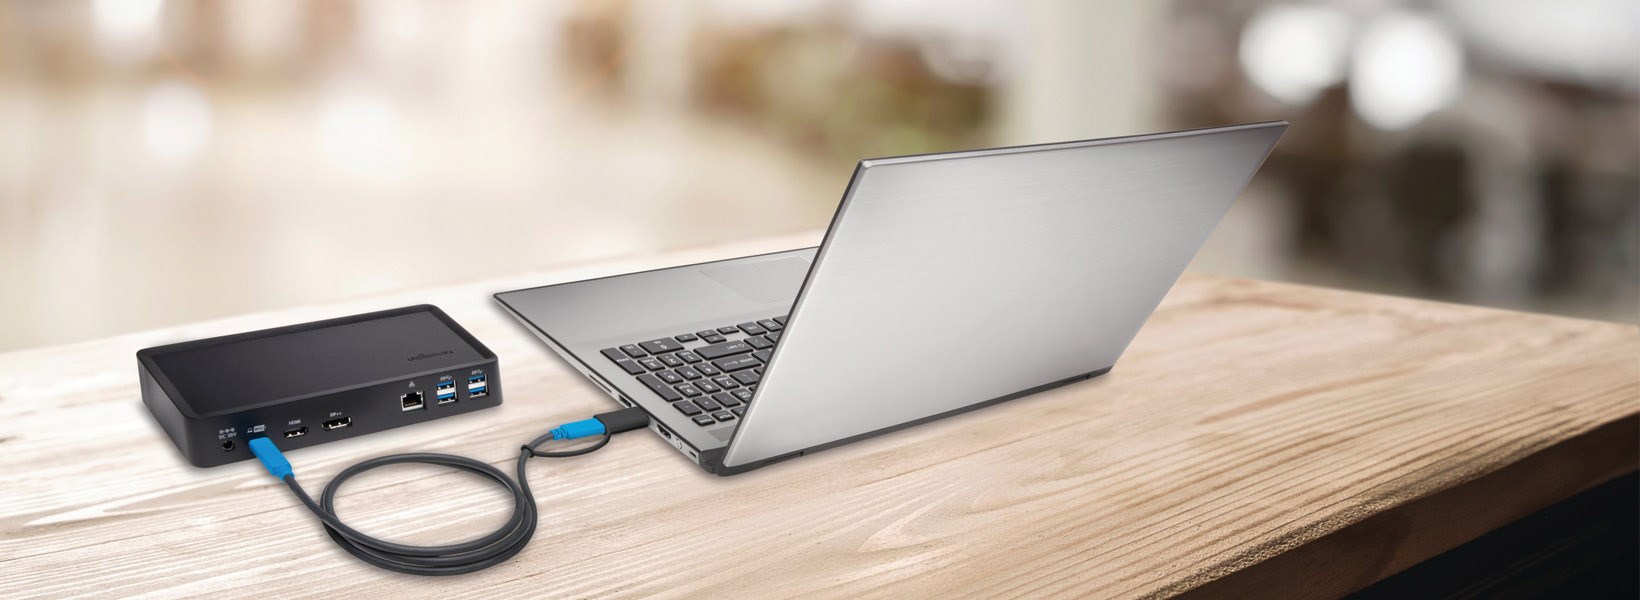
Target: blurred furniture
[[1257, 439], [1515, 189]]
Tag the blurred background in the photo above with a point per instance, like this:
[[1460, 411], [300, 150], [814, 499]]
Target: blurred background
[[165, 161]]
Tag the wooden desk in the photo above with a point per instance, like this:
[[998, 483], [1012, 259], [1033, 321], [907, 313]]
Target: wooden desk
[[1257, 437]]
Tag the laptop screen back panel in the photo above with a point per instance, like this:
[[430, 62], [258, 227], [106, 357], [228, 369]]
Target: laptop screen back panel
[[949, 280]]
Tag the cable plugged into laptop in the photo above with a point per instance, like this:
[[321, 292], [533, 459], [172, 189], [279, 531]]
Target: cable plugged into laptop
[[464, 557]]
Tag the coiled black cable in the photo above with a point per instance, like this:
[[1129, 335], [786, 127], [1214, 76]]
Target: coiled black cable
[[453, 559]]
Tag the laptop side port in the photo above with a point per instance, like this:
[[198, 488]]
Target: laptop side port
[[338, 423], [296, 433], [411, 401]]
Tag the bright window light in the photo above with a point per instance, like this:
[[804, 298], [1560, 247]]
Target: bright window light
[[1406, 66], [126, 19], [360, 134], [176, 122], [1293, 51]]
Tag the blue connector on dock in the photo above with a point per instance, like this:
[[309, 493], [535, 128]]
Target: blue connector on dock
[[271, 458]]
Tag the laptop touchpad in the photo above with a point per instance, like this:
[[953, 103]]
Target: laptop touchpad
[[766, 281]]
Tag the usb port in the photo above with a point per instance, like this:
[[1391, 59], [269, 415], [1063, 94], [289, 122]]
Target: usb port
[[477, 386], [411, 401], [340, 423], [446, 385], [446, 397], [296, 433]]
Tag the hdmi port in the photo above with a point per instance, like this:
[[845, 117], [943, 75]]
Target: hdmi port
[[297, 432], [338, 423]]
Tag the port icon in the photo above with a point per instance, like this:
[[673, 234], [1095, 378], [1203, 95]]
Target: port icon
[[411, 401], [338, 423], [296, 433]]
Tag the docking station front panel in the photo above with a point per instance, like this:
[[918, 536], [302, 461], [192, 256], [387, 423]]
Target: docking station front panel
[[312, 383]]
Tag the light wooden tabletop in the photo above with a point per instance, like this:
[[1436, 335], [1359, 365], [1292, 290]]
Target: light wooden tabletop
[[1256, 437]]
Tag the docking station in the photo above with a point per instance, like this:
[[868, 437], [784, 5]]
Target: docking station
[[318, 382]]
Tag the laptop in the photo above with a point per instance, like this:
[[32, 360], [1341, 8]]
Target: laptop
[[945, 283]]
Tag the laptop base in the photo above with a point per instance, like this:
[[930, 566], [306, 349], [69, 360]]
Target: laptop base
[[712, 460]]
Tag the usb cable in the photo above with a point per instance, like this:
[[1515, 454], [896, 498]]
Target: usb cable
[[464, 557]]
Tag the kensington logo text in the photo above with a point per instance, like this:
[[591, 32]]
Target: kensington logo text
[[426, 355]]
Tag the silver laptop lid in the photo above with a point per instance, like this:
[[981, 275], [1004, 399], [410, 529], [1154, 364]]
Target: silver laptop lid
[[952, 279]]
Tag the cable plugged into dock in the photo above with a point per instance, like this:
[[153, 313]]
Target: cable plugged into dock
[[454, 559]]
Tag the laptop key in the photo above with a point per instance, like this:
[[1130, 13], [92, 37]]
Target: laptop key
[[757, 341], [614, 354], [669, 377], [763, 355], [654, 384], [634, 351], [685, 337], [687, 390], [723, 415], [727, 330], [708, 404], [781, 320], [774, 336], [726, 399], [735, 363], [752, 329], [743, 395], [651, 364], [747, 377], [727, 383], [688, 357], [661, 346], [717, 351], [740, 411], [707, 369], [703, 420], [688, 408], [770, 325], [632, 367], [707, 387], [712, 339], [670, 360], [688, 373]]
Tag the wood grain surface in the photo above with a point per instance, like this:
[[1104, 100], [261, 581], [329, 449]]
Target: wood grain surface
[[1257, 438]]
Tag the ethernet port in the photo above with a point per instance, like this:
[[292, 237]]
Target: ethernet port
[[411, 401]]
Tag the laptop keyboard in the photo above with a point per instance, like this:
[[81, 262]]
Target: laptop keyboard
[[709, 375]]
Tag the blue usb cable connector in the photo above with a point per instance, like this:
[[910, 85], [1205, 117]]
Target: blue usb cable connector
[[579, 429], [271, 458]]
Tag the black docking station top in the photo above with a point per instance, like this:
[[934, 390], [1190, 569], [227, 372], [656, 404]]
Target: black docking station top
[[312, 383]]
